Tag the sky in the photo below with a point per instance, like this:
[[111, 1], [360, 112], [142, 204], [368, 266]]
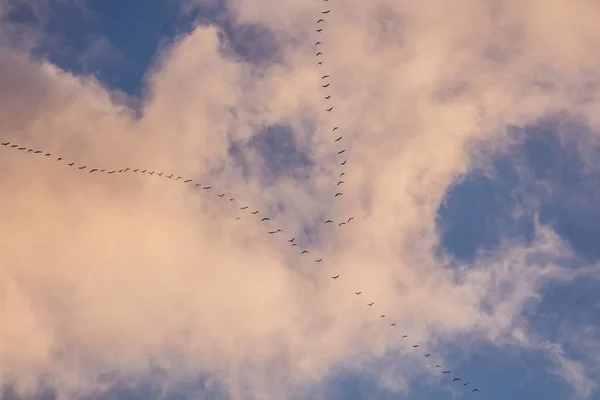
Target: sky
[[472, 135]]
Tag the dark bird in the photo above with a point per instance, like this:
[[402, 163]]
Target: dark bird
[[357, 293], [350, 219], [111, 172], [237, 218], [404, 337], [170, 176], [178, 178], [455, 379], [343, 163], [325, 77], [341, 223], [335, 277], [438, 366], [38, 152], [83, 167], [428, 355], [342, 151], [291, 240], [318, 43], [327, 97], [320, 20], [371, 304], [221, 195], [137, 169], [325, 12], [294, 244], [338, 194], [152, 173], [128, 169], [47, 155], [466, 384], [254, 212], [304, 252], [335, 128], [244, 208], [329, 221], [329, 109], [14, 145], [197, 184], [279, 230], [338, 139], [265, 219], [59, 158], [206, 187], [394, 324], [29, 151], [232, 199], [5, 143], [319, 30], [475, 390], [326, 85], [320, 63], [93, 170], [119, 171], [144, 171], [319, 54], [415, 346], [161, 174], [382, 316], [446, 372], [272, 232], [103, 170], [319, 260], [22, 148], [187, 181]]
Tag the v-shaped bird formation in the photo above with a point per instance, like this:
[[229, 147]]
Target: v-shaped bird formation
[[341, 151]]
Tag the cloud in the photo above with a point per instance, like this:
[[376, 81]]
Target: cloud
[[101, 273]]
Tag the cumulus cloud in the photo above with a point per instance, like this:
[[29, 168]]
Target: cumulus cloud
[[121, 273]]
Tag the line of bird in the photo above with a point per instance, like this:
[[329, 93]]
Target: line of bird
[[325, 79], [147, 172], [326, 85]]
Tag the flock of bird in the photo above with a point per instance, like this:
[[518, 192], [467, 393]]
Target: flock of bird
[[321, 22]]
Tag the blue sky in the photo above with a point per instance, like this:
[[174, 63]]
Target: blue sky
[[542, 177]]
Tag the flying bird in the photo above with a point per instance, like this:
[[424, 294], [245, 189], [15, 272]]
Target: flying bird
[[342, 151], [137, 169], [294, 244], [272, 232], [404, 337], [343, 163], [221, 195], [5, 143], [152, 173], [59, 158], [319, 260], [325, 76], [428, 355], [446, 372], [254, 212], [329, 109], [291, 240], [350, 219], [394, 324], [382, 316], [232, 199], [14, 145], [325, 12], [319, 54], [29, 151], [47, 155], [338, 194], [320, 63], [466, 384], [187, 181], [206, 187], [319, 30], [455, 379], [357, 293], [265, 219], [326, 85], [438, 366], [244, 208], [475, 390], [22, 148], [335, 277], [197, 184], [83, 167], [112, 172], [318, 43], [341, 223], [119, 171], [38, 152], [329, 221], [170, 176], [338, 139], [320, 20], [178, 178], [144, 171], [304, 252], [415, 346], [327, 97], [371, 304], [278, 230], [237, 218], [93, 170], [335, 128], [161, 174]]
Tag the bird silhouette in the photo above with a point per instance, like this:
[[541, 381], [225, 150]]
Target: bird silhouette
[[206, 187], [350, 219], [237, 218], [394, 324], [5, 143], [294, 244], [59, 159], [327, 97], [446, 372], [341, 223], [342, 151], [272, 232], [335, 128], [82, 167], [343, 163], [319, 30], [404, 336], [338, 139], [111, 172], [170, 176], [93, 170], [475, 390], [186, 181], [415, 346], [22, 148], [47, 155], [265, 219], [371, 304], [455, 379], [319, 54], [221, 195], [329, 221], [438, 366], [244, 208], [382, 316], [466, 384], [329, 109], [357, 293], [318, 43], [338, 194], [428, 355], [29, 151], [335, 277], [320, 20], [326, 85], [254, 212], [342, 174], [37, 152], [319, 260], [304, 252], [320, 63], [161, 174], [325, 77], [279, 230], [325, 12], [291, 240]]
